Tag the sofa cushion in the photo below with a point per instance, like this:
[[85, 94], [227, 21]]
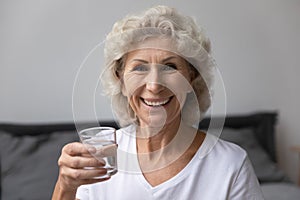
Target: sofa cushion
[[265, 169], [29, 163]]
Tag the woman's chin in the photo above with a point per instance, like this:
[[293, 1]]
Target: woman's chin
[[156, 122], [157, 117]]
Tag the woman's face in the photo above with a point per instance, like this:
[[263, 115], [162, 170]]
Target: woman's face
[[156, 83]]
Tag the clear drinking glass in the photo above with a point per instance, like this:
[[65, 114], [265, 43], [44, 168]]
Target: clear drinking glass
[[104, 140]]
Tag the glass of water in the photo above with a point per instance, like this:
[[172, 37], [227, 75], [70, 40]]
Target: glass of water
[[103, 139]]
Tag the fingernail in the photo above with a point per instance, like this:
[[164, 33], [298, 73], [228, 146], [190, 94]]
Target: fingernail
[[102, 163]]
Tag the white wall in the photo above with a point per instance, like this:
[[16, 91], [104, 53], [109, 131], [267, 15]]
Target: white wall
[[255, 43]]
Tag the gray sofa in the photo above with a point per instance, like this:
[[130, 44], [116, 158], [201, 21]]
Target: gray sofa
[[29, 154]]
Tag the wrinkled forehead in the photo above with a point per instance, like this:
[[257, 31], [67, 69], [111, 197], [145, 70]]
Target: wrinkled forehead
[[152, 55], [158, 43]]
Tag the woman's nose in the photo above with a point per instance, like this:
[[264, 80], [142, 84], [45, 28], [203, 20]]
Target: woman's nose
[[154, 82], [154, 87]]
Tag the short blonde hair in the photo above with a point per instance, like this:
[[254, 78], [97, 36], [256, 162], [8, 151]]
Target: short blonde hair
[[191, 42]]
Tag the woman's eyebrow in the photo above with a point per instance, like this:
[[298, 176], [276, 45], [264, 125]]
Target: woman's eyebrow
[[139, 60], [168, 58], [144, 61]]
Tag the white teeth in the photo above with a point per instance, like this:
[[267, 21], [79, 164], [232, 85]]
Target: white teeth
[[156, 103]]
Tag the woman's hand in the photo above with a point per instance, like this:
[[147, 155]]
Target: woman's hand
[[77, 167]]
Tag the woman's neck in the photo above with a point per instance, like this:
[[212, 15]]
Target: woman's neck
[[150, 139], [158, 148]]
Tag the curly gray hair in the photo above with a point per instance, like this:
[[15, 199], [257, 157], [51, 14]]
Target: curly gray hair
[[191, 44]]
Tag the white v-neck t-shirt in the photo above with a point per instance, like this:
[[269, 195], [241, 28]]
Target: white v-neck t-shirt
[[218, 171]]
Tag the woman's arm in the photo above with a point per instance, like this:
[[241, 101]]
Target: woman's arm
[[59, 193]]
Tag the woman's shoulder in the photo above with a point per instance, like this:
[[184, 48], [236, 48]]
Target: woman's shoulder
[[127, 129], [126, 138], [231, 147], [126, 132], [220, 149]]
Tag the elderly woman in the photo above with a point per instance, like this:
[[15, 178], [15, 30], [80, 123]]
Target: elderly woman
[[158, 74]]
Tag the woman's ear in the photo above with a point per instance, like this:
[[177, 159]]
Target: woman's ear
[[124, 91], [122, 85], [193, 73], [120, 73]]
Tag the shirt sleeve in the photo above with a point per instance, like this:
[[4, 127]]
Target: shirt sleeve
[[246, 185], [82, 192]]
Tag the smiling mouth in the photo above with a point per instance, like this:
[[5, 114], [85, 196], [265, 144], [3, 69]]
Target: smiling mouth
[[156, 103]]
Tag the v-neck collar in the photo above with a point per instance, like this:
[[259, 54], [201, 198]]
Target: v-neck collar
[[182, 174]]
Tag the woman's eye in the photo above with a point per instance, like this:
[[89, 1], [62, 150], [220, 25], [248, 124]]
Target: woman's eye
[[169, 67], [140, 68]]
